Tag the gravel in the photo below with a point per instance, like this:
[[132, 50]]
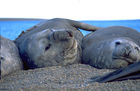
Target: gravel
[[69, 78]]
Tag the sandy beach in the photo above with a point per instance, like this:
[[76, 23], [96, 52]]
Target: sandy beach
[[57, 78], [68, 78]]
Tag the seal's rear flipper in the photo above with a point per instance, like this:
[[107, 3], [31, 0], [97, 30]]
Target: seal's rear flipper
[[83, 26], [130, 72]]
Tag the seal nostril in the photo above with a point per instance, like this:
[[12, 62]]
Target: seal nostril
[[70, 33], [137, 48]]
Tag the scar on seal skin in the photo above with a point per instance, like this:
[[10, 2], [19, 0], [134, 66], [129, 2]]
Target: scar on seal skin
[[9, 57], [112, 47], [52, 42]]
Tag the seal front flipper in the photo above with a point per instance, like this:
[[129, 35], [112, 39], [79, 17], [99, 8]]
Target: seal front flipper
[[130, 72]]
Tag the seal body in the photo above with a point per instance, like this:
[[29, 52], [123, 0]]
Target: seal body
[[113, 47], [53, 42], [9, 57]]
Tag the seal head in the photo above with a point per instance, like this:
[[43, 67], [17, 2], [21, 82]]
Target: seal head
[[113, 53], [125, 49], [9, 57], [112, 47]]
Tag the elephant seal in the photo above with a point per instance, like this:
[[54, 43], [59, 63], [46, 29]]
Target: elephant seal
[[51, 43], [112, 47], [9, 57]]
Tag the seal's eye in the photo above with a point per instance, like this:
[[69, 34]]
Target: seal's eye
[[46, 48], [1, 58], [118, 43]]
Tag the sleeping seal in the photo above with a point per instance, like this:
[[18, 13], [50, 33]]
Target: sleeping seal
[[53, 42], [113, 47], [9, 57]]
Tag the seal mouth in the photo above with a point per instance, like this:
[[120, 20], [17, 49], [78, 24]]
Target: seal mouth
[[128, 60], [71, 51], [126, 52], [126, 56], [74, 45]]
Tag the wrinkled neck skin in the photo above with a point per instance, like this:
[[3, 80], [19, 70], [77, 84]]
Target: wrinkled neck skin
[[51, 48], [104, 55]]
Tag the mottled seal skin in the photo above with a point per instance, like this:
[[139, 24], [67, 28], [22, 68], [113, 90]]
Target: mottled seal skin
[[9, 57], [130, 72], [113, 47], [53, 42]]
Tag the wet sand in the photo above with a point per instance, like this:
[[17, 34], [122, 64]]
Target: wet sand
[[68, 78]]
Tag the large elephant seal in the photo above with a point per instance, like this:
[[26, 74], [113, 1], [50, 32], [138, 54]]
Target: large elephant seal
[[53, 42], [113, 47], [9, 57]]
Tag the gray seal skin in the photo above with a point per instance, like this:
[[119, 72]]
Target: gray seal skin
[[52, 43], [9, 57], [130, 72], [112, 47]]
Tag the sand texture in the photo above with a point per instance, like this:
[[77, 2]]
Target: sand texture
[[68, 78]]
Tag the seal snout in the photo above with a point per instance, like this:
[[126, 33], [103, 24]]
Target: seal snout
[[62, 35], [138, 49], [70, 33]]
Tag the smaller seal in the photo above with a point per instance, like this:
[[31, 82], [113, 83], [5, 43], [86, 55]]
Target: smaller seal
[[9, 57], [111, 48]]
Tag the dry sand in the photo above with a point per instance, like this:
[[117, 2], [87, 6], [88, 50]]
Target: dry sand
[[68, 78]]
